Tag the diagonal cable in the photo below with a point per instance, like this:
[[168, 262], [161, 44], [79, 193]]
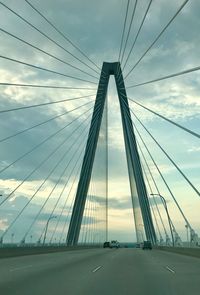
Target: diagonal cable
[[85, 218], [89, 150], [44, 181], [123, 32], [136, 37], [62, 34], [129, 30], [157, 38], [42, 123], [158, 169], [42, 142], [147, 177], [150, 201], [45, 86], [59, 179], [149, 170], [65, 203], [44, 104], [66, 182], [46, 36], [91, 236], [166, 154], [67, 218], [166, 119], [167, 77], [44, 69], [162, 177], [43, 162], [75, 193], [45, 52]]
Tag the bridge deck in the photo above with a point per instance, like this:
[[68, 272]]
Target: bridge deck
[[101, 271]]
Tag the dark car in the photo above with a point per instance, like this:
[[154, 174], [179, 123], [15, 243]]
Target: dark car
[[147, 245], [106, 245]]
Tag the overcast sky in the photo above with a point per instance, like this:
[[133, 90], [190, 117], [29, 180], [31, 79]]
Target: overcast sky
[[96, 28]]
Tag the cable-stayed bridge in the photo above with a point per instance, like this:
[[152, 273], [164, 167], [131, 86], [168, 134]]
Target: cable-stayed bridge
[[83, 158]]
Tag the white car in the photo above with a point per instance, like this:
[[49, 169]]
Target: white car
[[114, 244]]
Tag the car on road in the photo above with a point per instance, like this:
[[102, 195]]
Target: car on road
[[147, 245], [114, 244], [106, 244]]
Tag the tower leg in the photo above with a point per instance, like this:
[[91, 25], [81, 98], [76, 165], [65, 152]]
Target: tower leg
[[137, 184]]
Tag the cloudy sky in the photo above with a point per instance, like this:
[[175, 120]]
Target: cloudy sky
[[96, 28]]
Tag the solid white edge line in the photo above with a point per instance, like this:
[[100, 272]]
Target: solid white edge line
[[171, 270], [96, 269]]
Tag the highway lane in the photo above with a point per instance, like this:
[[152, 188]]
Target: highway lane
[[101, 271]]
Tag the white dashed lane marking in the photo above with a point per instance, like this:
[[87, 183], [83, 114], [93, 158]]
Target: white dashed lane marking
[[96, 269], [20, 268], [169, 269]]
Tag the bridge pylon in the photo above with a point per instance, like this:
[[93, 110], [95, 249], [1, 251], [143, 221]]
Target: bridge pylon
[[137, 185]]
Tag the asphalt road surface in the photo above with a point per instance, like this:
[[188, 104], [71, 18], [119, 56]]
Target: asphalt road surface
[[101, 272]]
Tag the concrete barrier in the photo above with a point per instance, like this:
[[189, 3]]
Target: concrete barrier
[[6, 252], [195, 252]]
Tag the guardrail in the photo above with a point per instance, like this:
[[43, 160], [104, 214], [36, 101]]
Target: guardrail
[[6, 252], [195, 252]]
